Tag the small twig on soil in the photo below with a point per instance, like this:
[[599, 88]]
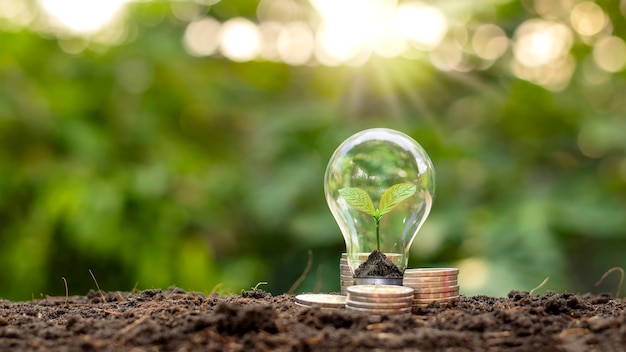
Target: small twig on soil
[[67, 290], [128, 327], [256, 287], [298, 282], [216, 289], [621, 280], [98, 286], [540, 286], [318, 282]]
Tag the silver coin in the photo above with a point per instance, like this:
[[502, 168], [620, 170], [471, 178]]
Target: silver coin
[[370, 299], [381, 305], [423, 272], [379, 300], [301, 305], [380, 291], [447, 289], [381, 311], [321, 300]]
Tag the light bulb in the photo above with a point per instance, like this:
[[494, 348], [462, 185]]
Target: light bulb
[[379, 185]]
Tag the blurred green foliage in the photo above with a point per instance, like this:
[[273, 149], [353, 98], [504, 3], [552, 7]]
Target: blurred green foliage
[[154, 168]]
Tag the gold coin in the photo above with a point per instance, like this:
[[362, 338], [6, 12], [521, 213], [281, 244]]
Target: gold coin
[[421, 290], [423, 272], [430, 300], [432, 280], [440, 295], [431, 283]]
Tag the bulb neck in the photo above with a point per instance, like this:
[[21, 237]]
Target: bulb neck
[[396, 281]]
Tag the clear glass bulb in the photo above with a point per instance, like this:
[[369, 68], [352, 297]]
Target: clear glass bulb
[[379, 185]]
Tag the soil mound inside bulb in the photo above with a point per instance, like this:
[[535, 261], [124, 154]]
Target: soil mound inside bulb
[[377, 265]]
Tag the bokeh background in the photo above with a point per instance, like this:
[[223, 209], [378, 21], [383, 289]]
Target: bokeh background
[[184, 143]]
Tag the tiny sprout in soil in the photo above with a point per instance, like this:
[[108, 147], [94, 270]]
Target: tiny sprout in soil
[[361, 201]]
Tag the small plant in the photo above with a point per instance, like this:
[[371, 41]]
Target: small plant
[[361, 201]]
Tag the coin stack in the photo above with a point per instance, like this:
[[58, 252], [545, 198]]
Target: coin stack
[[320, 300], [346, 278], [432, 284], [380, 299]]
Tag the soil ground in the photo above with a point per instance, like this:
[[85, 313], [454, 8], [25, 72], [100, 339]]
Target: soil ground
[[175, 320]]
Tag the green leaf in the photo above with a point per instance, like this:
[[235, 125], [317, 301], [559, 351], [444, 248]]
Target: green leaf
[[394, 195], [358, 199]]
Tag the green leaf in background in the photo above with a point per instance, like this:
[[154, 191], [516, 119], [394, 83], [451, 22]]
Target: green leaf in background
[[394, 195], [358, 199]]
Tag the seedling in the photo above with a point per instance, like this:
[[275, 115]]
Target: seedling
[[361, 201]]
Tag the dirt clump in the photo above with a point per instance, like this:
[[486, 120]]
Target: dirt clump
[[175, 320], [377, 265]]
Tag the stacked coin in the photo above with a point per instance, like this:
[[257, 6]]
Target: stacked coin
[[346, 278], [432, 284], [321, 300], [380, 299]]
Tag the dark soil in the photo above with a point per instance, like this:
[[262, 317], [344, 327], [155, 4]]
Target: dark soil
[[377, 265], [175, 320]]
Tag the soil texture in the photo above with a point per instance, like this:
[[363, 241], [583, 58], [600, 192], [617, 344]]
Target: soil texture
[[377, 265], [175, 320]]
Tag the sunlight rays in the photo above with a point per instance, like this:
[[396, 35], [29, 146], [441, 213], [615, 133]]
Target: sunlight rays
[[457, 37]]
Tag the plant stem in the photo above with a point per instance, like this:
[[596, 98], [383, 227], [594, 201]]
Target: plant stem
[[377, 219]]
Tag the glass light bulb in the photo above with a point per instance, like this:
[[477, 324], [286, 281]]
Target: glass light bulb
[[379, 185]]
